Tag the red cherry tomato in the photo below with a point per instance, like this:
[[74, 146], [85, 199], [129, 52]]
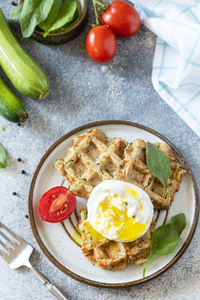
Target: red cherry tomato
[[57, 204], [122, 18], [101, 44]]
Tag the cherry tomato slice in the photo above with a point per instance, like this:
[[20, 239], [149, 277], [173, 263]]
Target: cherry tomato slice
[[57, 204], [101, 44], [122, 18]]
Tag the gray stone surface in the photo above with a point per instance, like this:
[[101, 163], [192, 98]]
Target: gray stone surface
[[81, 92]]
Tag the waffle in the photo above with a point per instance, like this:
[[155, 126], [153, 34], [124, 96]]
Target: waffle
[[94, 158], [111, 255], [135, 170]]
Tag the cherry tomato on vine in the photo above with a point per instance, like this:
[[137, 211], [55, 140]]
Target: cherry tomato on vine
[[122, 18], [57, 204], [101, 43]]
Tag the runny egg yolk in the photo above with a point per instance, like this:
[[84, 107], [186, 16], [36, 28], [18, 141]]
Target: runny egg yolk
[[134, 194], [126, 228], [93, 233]]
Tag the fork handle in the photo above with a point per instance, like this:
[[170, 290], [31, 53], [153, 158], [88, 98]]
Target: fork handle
[[51, 287], [55, 291]]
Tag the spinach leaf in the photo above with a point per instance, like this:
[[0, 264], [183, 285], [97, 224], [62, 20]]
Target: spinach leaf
[[158, 164], [48, 23], [65, 16], [3, 157], [66, 26], [166, 238], [33, 13], [16, 12]]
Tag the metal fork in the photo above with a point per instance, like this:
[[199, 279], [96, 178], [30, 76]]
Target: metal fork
[[16, 252]]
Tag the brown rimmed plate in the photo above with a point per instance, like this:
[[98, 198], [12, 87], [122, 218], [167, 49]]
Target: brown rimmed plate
[[60, 242]]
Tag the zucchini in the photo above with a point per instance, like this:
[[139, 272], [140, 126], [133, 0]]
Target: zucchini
[[22, 71], [11, 107]]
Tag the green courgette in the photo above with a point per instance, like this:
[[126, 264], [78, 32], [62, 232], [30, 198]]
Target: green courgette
[[11, 107], [22, 71]]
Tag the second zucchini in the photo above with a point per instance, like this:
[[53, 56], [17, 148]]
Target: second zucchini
[[11, 107]]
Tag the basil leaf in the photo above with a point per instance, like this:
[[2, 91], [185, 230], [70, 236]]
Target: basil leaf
[[178, 222], [164, 241], [158, 164], [33, 13], [48, 23], [166, 238], [3, 157], [16, 12], [65, 16]]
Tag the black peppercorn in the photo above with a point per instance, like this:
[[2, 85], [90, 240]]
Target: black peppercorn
[[23, 172], [14, 193]]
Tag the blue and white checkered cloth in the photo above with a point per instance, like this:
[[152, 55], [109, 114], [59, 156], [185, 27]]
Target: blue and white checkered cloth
[[176, 65]]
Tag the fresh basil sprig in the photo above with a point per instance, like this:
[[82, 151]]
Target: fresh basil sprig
[[3, 157], [158, 164], [166, 238]]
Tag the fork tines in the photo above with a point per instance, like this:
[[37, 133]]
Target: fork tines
[[5, 239]]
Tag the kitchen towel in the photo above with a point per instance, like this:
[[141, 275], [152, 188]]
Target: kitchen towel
[[176, 64]]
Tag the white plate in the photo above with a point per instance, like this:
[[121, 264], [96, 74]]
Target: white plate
[[64, 252]]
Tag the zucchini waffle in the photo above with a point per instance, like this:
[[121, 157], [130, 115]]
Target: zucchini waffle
[[111, 255], [94, 158]]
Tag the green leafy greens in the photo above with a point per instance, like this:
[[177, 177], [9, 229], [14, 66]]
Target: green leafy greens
[[16, 13], [53, 14], [166, 238], [65, 15], [158, 164], [49, 15], [3, 157]]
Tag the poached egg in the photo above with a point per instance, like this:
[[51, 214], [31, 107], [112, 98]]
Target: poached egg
[[119, 211]]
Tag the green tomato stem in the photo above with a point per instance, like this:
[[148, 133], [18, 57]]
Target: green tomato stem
[[103, 7], [100, 3], [96, 12]]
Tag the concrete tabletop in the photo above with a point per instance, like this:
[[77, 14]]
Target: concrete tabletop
[[82, 92]]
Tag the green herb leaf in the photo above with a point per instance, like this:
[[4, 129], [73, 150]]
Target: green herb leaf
[[3, 157], [16, 12], [65, 16], [166, 238], [178, 222], [48, 23], [33, 13], [158, 164]]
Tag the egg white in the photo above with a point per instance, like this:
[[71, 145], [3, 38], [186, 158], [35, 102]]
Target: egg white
[[119, 211]]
